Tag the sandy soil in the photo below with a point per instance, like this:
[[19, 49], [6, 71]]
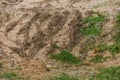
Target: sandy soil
[[29, 27]]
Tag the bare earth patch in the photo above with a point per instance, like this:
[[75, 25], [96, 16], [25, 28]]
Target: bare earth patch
[[30, 30]]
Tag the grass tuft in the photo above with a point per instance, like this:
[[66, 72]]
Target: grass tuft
[[118, 19], [92, 24], [65, 56], [114, 49], [64, 77], [11, 76], [98, 59], [117, 38], [111, 73]]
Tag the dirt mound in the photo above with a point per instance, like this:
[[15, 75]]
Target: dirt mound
[[30, 32]]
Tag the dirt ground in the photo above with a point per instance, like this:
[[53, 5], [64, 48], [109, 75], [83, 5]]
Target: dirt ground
[[29, 27]]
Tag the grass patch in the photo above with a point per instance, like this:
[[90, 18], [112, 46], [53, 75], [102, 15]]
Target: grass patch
[[65, 56], [92, 23], [117, 38], [111, 73], [95, 18], [91, 30], [114, 49], [98, 59], [64, 77], [11, 76], [118, 19]]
